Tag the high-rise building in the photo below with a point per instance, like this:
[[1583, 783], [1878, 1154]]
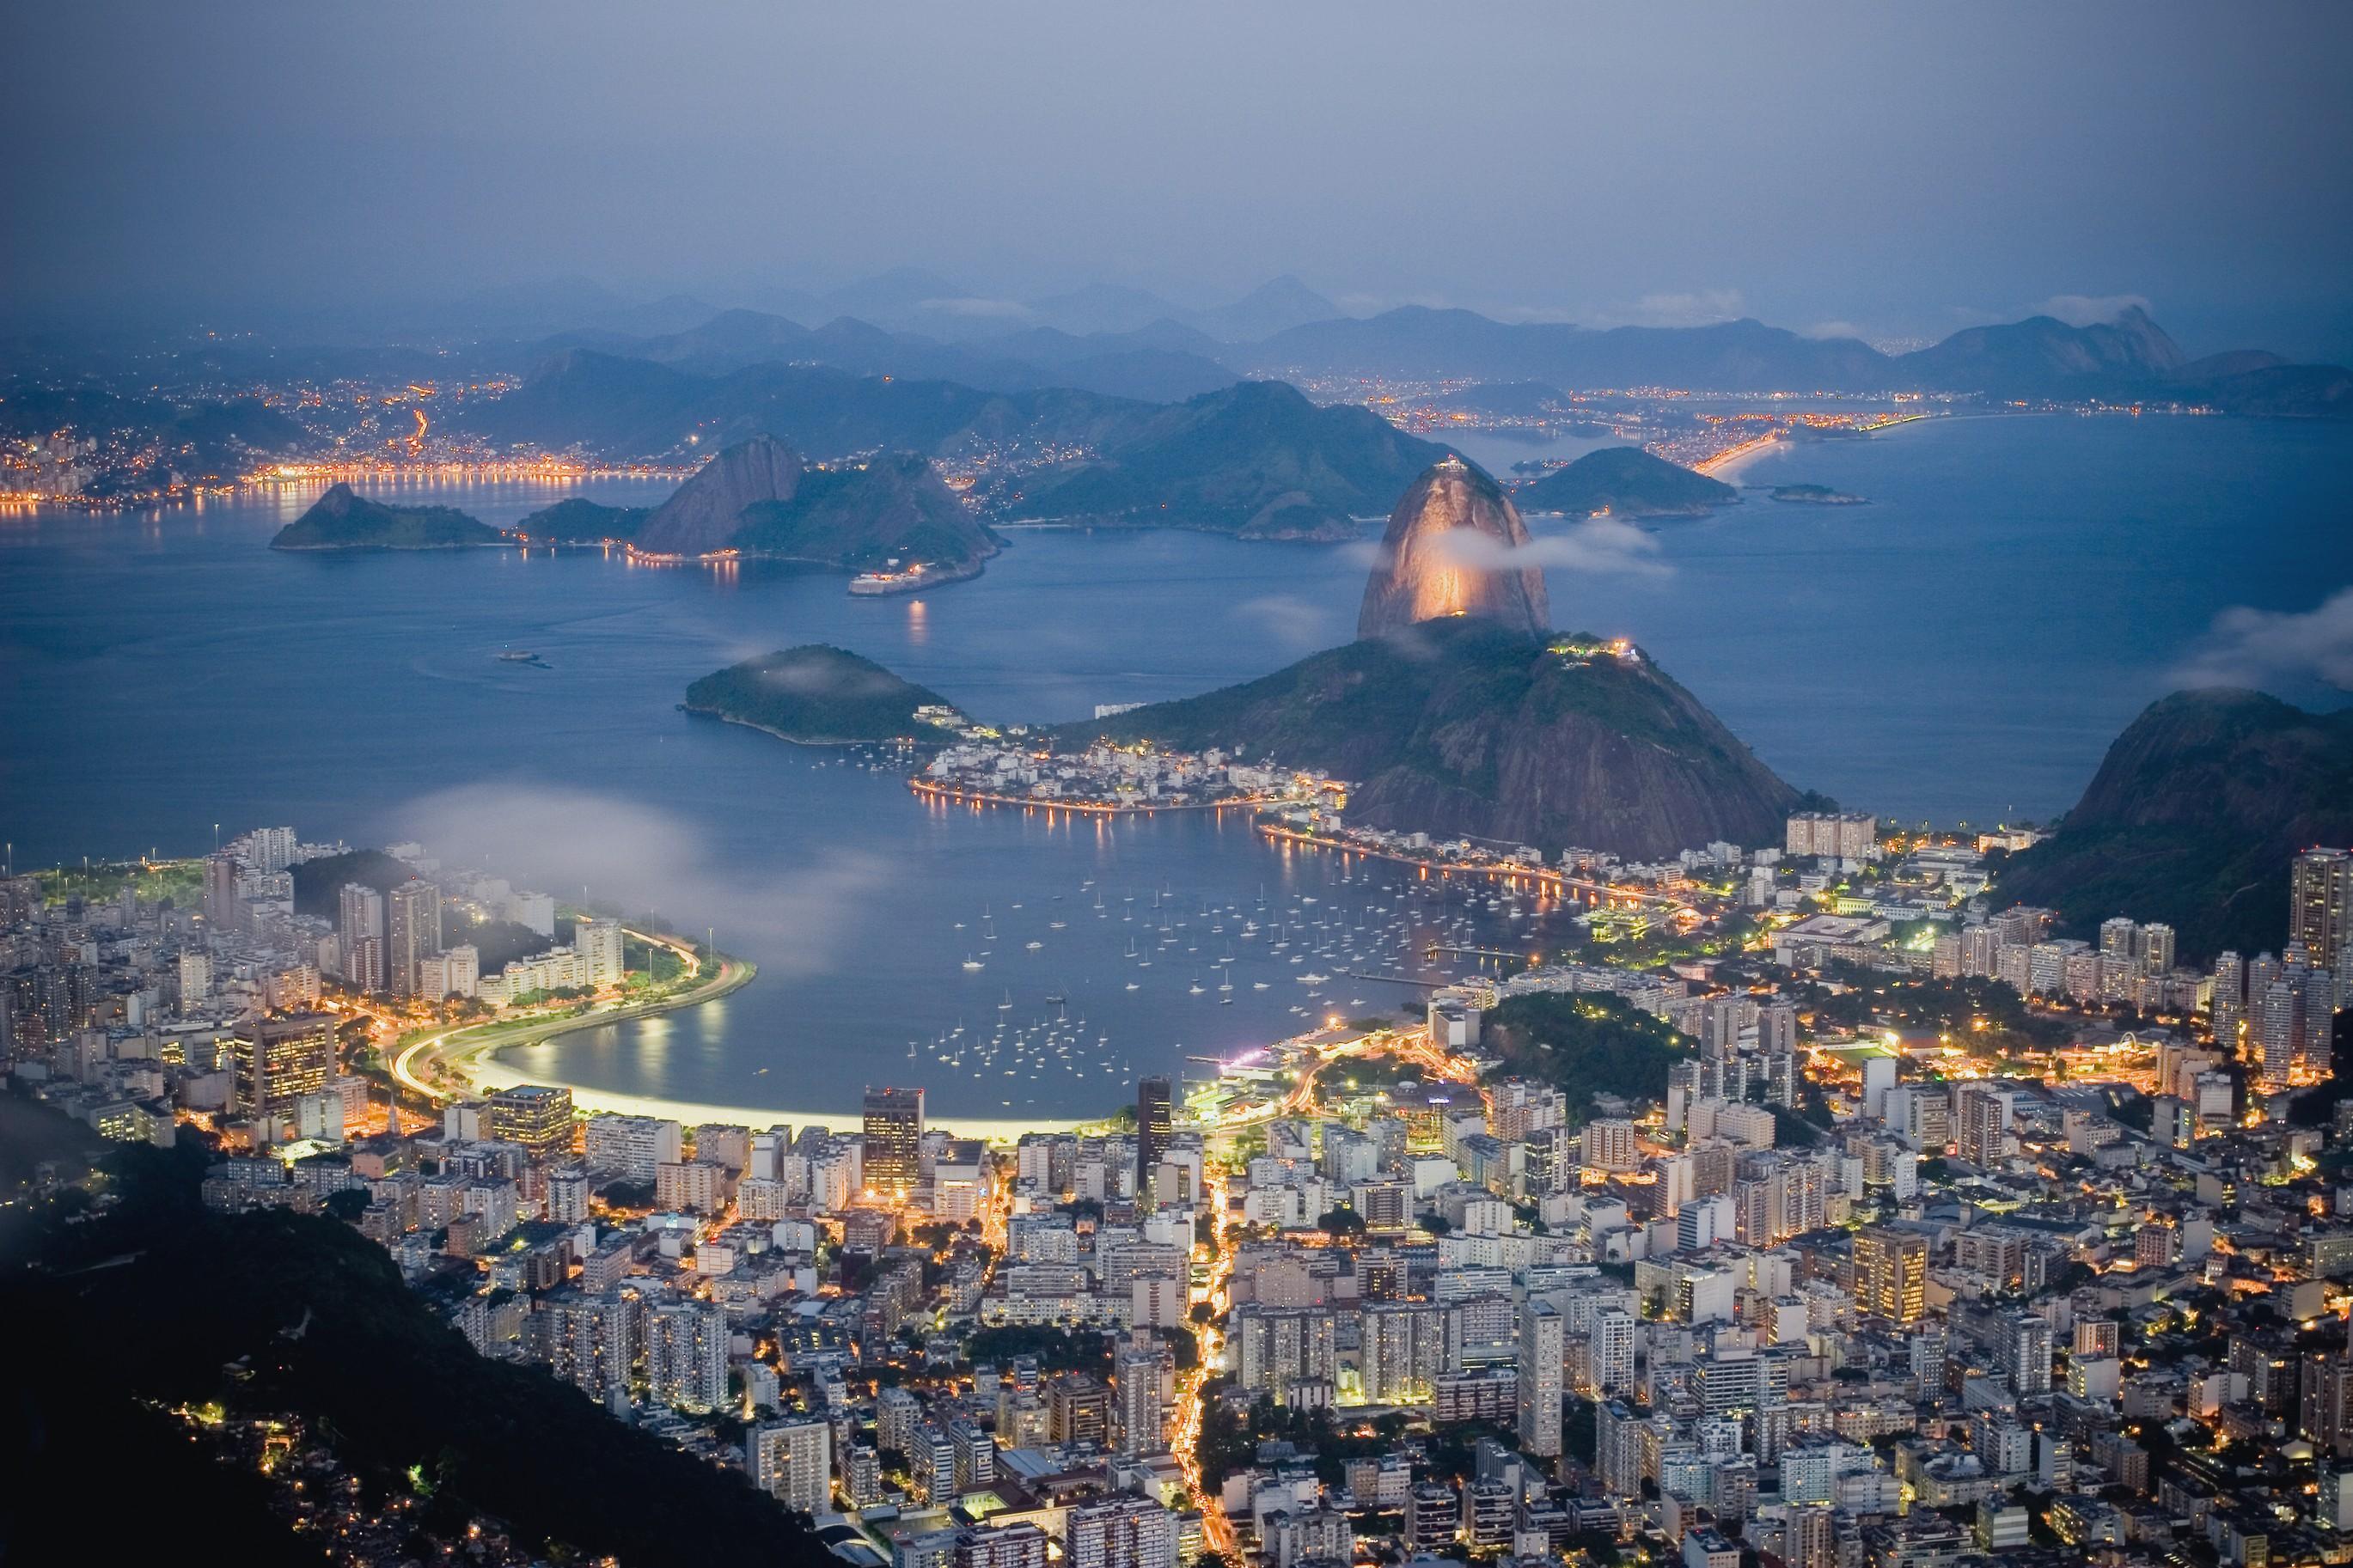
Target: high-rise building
[[1610, 1145], [1609, 1353], [280, 1061], [599, 941], [535, 1115], [686, 1356], [1144, 1377], [792, 1462], [361, 910], [632, 1146], [1119, 1533], [1278, 1347], [2278, 1023], [196, 979], [1542, 1344], [1891, 1273], [2026, 1352], [1980, 1120], [893, 1158], [412, 932], [2320, 903], [220, 900], [1000, 1546], [1153, 1119], [1618, 1449]]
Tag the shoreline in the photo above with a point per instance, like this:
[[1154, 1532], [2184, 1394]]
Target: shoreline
[[481, 1066], [725, 718]]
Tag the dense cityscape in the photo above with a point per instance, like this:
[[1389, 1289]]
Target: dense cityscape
[[1891, 1230], [1209, 787]]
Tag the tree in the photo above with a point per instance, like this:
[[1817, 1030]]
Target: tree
[[1341, 1223]]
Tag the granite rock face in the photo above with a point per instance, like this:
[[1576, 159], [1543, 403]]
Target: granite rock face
[[1448, 553], [706, 510]]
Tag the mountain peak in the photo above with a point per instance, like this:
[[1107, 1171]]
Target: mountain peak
[[704, 512], [1447, 552]]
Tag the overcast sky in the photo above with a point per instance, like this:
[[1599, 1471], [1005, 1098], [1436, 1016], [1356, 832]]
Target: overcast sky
[[1905, 169]]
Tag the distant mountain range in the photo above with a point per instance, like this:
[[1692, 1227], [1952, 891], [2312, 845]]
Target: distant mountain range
[[2192, 819], [1257, 458], [2042, 357]]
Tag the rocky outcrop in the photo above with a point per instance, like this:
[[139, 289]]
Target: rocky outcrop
[[1448, 553], [706, 510]]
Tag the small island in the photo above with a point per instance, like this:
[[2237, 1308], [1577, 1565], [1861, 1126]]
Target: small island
[[1816, 495], [344, 519], [1624, 482], [820, 696]]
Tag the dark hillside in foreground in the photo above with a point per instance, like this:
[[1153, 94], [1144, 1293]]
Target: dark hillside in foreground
[[329, 1332]]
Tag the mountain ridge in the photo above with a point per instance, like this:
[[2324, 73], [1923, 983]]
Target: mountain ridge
[[2192, 817], [1463, 726]]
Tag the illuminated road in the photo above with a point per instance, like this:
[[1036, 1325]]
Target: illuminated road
[[420, 1056], [1217, 1530]]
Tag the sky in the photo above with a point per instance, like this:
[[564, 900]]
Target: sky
[[1902, 170]]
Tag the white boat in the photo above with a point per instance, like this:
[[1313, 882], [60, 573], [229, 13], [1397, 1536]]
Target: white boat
[[973, 965], [1033, 946]]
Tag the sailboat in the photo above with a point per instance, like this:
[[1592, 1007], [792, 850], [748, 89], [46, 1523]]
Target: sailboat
[[973, 965]]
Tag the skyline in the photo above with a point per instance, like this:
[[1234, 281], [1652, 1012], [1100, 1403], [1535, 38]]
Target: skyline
[[1900, 178]]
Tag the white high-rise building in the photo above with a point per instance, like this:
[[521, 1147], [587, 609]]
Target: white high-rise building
[[634, 1146], [196, 979], [599, 943], [1541, 1347], [792, 1462], [1610, 1353]]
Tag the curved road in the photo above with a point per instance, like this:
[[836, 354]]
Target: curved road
[[420, 1056]]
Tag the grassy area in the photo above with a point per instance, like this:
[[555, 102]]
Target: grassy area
[[182, 881]]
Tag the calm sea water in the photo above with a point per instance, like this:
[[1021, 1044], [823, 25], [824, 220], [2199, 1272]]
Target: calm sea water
[[1963, 647]]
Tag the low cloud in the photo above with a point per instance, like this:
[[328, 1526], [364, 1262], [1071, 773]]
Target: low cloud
[[1596, 547], [2090, 310], [645, 858], [2247, 647], [977, 307], [1291, 621], [1822, 331], [1705, 308]]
